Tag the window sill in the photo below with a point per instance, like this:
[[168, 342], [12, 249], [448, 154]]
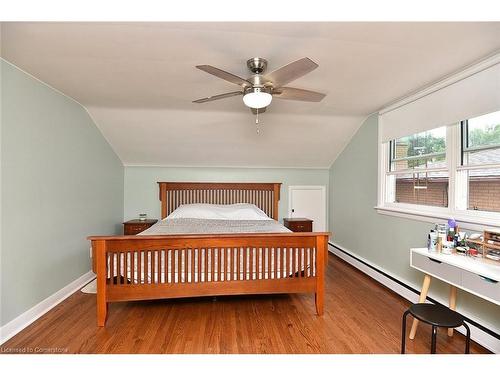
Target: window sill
[[470, 221]]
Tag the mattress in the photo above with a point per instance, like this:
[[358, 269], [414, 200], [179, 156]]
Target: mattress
[[264, 260]]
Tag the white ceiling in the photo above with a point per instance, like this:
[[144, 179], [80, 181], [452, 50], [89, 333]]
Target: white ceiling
[[138, 80]]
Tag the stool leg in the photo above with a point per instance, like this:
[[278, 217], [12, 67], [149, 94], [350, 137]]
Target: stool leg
[[467, 339], [433, 340], [423, 296], [403, 332]]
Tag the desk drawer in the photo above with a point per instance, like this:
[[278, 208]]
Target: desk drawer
[[435, 268], [481, 285]]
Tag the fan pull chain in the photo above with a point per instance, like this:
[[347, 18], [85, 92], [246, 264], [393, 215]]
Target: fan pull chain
[[257, 121]]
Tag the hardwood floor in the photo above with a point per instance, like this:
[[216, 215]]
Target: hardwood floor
[[361, 316]]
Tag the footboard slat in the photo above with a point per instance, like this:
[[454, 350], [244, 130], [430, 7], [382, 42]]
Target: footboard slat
[[187, 253], [139, 267], [212, 263], [245, 263], [218, 260], [156, 267], [111, 263], [198, 263], [227, 269], [180, 270], [159, 266], [192, 265]]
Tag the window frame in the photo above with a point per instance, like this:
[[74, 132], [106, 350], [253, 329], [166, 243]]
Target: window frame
[[457, 188], [464, 129], [390, 172], [461, 173]]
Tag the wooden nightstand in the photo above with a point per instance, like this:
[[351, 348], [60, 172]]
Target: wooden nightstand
[[298, 224], [132, 227]]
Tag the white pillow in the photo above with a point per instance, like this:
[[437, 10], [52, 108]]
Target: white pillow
[[239, 211]]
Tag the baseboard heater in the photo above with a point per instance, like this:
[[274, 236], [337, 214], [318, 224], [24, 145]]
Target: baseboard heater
[[417, 292]]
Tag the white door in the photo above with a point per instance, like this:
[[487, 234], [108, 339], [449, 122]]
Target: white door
[[308, 202]]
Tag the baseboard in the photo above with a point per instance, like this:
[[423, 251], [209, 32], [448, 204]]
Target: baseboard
[[405, 289], [25, 319]]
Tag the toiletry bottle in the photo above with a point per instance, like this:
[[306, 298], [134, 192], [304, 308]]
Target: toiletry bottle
[[433, 236]]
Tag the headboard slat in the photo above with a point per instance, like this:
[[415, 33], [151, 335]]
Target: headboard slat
[[264, 195]]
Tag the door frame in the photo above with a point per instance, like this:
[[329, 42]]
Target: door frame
[[310, 187]]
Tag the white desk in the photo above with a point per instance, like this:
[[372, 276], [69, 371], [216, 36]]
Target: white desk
[[480, 277]]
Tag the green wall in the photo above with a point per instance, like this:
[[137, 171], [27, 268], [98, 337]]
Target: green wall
[[141, 188], [384, 240], [60, 183]]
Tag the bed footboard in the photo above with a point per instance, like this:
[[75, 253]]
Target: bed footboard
[[132, 268]]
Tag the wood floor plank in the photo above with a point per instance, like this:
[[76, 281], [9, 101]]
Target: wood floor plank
[[361, 316]]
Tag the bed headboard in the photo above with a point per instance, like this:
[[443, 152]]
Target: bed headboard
[[264, 195]]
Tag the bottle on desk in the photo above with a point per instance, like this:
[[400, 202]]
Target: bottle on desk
[[432, 241], [439, 245]]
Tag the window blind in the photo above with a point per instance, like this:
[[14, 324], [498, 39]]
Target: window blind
[[468, 97]]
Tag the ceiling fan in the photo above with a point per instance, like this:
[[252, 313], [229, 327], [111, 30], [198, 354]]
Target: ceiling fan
[[258, 90]]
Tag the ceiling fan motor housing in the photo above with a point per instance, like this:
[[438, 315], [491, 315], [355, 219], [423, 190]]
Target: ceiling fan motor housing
[[257, 65]]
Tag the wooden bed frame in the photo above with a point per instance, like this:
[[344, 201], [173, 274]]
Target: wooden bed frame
[[209, 264]]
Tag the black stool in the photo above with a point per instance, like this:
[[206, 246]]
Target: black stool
[[436, 316]]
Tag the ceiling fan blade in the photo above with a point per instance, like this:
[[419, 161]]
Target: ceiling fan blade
[[291, 72], [291, 93], [217, 97], [261, 110], [224, 75]]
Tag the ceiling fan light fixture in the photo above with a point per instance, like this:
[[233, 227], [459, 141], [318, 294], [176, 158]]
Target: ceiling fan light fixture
[[257, 98]]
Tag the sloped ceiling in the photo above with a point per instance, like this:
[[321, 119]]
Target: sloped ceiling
[[138, 80]]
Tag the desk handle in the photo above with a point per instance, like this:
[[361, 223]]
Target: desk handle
[[488, 279], [434, 260]]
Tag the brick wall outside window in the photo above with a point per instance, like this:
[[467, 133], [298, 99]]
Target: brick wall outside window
[[484, 194], [436, 193]]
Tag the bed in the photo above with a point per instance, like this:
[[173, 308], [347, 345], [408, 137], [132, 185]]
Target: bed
[[214, 239]]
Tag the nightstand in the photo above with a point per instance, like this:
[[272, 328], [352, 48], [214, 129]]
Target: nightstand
[[132, 227], [298, 224]]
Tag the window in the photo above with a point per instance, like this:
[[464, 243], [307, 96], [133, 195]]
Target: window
[[480, 162], [449, 171], [418, 170]]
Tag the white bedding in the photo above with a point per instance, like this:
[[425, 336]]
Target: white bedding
[[202, 226], [202, 218], [238, 211]]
